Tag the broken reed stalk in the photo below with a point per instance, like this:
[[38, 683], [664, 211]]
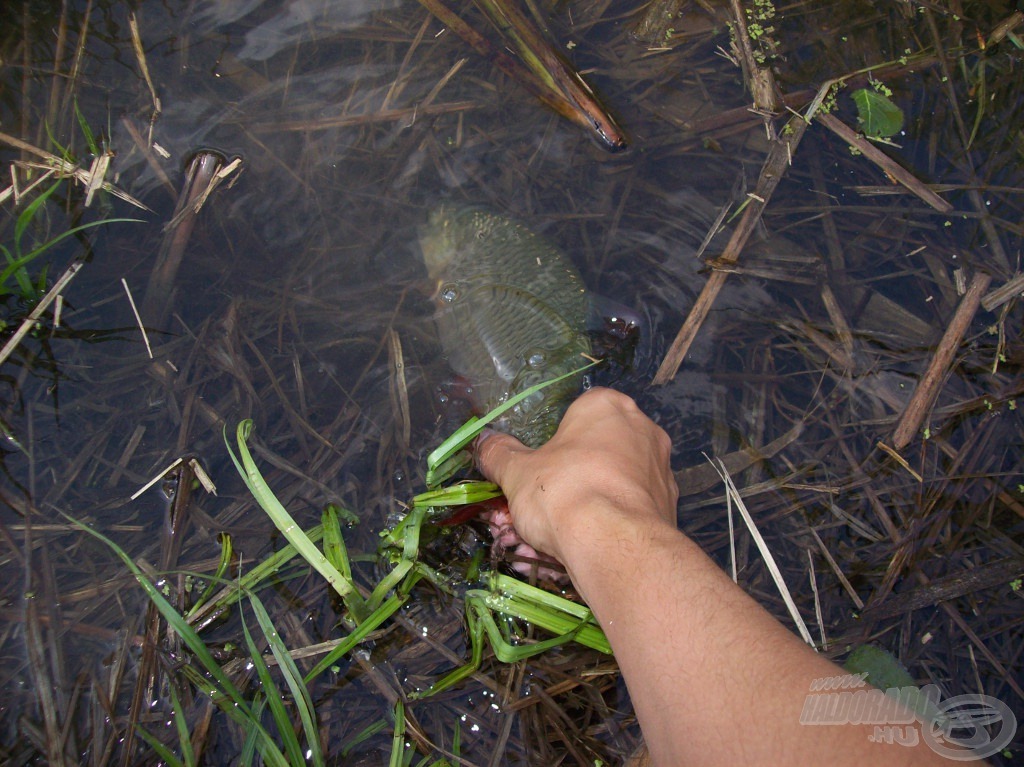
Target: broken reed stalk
[[779, 156], [578, 104], [553, 70], [924, 396], [759, 79], [33, 316], [156, 304], [890, 167]]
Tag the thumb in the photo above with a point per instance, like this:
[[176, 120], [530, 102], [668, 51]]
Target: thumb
[[495, 454]]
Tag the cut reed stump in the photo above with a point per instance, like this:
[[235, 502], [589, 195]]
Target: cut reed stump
[[204, 173]]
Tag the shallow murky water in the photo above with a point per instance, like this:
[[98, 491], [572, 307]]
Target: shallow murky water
[[301, 278]]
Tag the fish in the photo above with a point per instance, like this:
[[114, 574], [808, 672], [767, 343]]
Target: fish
[[511, 312]]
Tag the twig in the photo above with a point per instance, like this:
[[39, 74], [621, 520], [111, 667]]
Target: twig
[[760, 80], [734, 496], [931, 382], [140, 55], [41, 307], [817, 599], [138, 319], [888, 166], [779, 156], [1012, 288], [202, 175], [60, 165]]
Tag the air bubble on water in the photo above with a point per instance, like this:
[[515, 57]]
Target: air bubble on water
[[449, 293], [399, 475], [443, 399], [587, 383]]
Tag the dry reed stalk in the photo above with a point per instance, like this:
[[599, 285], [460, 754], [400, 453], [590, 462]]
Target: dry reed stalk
[[159, 296], [779, 157], [938, 369], [891, 169]]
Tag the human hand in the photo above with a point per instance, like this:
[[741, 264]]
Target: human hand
[[606, 461]]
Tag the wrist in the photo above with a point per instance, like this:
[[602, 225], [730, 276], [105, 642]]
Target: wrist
[[602, 538]]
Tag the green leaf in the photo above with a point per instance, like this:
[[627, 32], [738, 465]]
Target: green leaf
[[276, 511], [471, 491], [300, 695], [273, 698], [438, 462], [877, 115]]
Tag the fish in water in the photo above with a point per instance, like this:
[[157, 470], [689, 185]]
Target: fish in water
[[511, 312]]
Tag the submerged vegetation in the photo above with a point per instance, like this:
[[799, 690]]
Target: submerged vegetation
[[832, 287]]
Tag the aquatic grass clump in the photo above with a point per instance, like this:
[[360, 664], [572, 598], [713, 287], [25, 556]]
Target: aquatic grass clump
[[218, 685], [290, 707], [16, 279]]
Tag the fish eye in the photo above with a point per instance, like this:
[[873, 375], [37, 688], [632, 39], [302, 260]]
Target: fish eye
[[449, 293]]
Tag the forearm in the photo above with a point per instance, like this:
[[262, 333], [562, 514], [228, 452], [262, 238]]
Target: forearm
[[714, 678]]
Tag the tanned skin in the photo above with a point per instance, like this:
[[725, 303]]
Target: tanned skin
[[714, 678]]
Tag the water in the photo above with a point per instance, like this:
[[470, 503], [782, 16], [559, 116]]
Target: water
[[300, 267]]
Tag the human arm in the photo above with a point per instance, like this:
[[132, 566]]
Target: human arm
[[714, 678]]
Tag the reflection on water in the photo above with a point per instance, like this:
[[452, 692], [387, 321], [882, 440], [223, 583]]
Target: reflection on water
[[352, 120]]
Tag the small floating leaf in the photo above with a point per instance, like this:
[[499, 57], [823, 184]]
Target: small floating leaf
[[878, 116]]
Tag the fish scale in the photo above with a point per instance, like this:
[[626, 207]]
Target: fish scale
[[511, 312]]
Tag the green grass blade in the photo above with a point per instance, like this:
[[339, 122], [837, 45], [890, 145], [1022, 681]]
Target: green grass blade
[[476, 645], [248, 720], [388, 583], [226, 550], [251, 742], [470, 491], [188, 754], [300, 695], [248, 582], [279, 515], [398, 741], [469, 431], [168, 756], [26, 216], [173, 618], [238, 708], [337, 554], [90, 139], [545, 610], [362, 736], [17, 266], [272, 696], [373, 620]]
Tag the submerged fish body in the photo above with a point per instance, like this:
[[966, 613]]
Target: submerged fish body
[[511, 313]]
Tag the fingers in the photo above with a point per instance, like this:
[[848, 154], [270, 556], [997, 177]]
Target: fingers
[[494, 451]]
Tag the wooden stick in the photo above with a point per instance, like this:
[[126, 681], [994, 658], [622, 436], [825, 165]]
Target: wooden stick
[[775, 164], [927, 391], [889, 166]]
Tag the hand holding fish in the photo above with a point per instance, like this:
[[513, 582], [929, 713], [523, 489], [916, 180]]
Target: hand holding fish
[[714, 678], [607, 458]]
